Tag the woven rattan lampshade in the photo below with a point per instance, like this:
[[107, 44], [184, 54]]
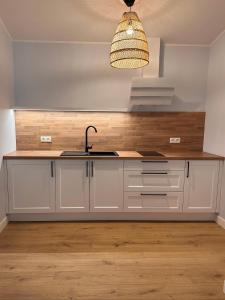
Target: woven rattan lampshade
[[129, 48]]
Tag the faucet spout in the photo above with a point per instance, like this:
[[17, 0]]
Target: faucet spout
[[87, 147]]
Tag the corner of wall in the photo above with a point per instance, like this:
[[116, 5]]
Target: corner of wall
[[214, 136], [7, 120]]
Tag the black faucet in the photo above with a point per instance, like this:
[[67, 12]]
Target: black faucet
[[87, 147]]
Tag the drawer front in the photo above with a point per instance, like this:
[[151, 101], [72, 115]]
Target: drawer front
[[147, 165], [168, 181], [153, 202]]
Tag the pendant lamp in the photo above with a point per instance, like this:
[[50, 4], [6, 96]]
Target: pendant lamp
[[129, 48]]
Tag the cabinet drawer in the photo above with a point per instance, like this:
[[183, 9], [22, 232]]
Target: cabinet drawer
[[154, 165], [153, 202], [153, 181]]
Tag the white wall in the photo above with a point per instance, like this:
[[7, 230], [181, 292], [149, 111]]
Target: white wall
[[214, 141], [78, 76], [7, 127], [186, 67]]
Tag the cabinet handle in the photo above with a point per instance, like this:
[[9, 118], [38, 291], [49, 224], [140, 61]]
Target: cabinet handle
[[92, 169], [154, 173], [52, 169], [144, 194], [188, 169], [155, 161], [87, 169]]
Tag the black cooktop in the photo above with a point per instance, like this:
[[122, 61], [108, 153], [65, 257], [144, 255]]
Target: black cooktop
[[150, 153]]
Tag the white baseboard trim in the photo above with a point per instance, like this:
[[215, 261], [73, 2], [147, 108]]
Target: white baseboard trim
[[3, 224], [112, 217], [220, 221]]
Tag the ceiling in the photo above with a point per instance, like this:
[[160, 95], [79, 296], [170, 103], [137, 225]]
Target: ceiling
[[175, 21]]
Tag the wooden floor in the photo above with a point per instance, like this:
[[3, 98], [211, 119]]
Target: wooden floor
[[114, 260]]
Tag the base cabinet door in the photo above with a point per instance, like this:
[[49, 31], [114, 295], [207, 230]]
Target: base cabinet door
[[106, 185], [72, 186], [201, 186], [31, 186]]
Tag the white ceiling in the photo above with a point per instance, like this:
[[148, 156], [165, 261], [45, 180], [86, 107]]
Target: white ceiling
[[175, 21]]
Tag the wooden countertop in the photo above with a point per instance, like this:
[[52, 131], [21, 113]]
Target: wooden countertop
[[122, 155]]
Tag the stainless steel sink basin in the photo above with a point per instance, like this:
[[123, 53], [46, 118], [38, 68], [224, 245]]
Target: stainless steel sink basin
[[103, 153], [92, 153]]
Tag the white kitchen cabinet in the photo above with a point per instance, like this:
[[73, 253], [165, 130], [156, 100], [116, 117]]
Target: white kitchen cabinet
[[106, 185], [31, 186], [201, 186], [72, 186]]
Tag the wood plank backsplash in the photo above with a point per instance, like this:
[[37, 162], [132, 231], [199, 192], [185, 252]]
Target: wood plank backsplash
[[116, 131]]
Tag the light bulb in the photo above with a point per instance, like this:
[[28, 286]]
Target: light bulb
[[130, 31]]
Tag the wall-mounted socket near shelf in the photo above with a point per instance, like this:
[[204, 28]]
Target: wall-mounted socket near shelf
[[46, 139], [175, 140]]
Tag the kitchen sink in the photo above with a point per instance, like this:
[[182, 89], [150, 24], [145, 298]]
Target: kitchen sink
[[92, 153], [109, 153]]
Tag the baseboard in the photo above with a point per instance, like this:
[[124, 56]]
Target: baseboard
[[112, 217], [3, 224], [220, 221]]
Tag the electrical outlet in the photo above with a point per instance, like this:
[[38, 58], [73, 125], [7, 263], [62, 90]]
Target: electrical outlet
[[175, 140], [46, 139]]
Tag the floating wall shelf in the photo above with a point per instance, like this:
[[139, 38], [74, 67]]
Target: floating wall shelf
[[151, 91]]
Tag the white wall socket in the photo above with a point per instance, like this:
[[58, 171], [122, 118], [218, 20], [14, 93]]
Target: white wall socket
[[175, 140], [46, 139]]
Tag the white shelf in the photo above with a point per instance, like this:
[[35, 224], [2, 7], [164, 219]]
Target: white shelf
[[151, 91]]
